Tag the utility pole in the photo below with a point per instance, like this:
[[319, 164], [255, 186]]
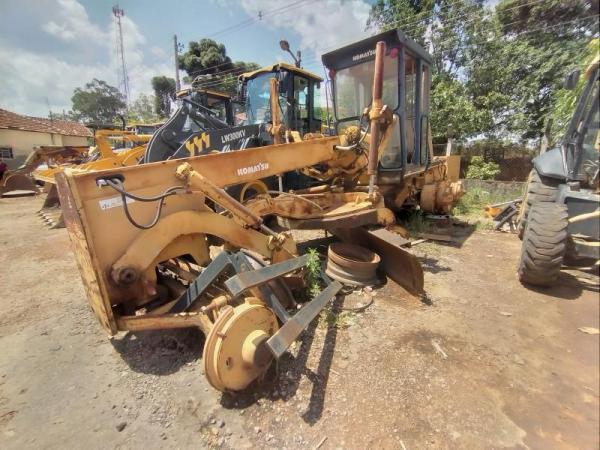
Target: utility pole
[[123, 78], [176, 52]]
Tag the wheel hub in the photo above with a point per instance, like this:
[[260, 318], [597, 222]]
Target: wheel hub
[[235, 353]]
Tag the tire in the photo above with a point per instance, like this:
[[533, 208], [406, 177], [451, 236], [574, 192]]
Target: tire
[[539, 190], [544, 244]]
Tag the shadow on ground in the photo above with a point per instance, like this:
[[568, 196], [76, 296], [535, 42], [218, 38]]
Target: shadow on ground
[[283, 380], [160, 352]]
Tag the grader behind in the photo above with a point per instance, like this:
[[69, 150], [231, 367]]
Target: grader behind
[[21, 179], [99, 157], [164, 245]]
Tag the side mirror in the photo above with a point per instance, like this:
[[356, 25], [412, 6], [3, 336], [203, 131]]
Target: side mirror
[[571, 79]]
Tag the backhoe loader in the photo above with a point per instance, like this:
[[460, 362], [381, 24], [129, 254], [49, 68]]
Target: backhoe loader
[[560, 217], [209, 121], [142, 235]]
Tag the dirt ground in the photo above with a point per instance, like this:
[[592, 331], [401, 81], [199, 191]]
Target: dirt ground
[[482, 363]]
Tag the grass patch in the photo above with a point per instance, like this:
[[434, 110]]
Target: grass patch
[[416, 222], [475, 199], [341, 319]]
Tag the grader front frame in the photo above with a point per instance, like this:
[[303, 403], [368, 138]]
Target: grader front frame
[[139, 262]]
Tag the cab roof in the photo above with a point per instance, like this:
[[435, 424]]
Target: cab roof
[[361, 51], [279, 67], [213, 94]]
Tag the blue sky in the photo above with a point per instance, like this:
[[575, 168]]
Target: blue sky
[[50, 47]]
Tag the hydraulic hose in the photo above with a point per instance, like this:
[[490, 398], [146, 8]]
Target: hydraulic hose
[[117, 185]]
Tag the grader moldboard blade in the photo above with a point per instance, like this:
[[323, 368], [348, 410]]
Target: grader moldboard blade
[[400, 265]]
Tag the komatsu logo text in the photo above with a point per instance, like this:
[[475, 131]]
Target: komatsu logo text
[[260, 167], [363, 55], [232, 136]]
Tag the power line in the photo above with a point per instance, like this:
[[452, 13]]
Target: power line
[[251, 21], [276, 11], [313, 60], [444, 41]]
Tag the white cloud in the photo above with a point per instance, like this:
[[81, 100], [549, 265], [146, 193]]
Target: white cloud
[[59, 31], [73, 24], [30, 77], [323, 25]]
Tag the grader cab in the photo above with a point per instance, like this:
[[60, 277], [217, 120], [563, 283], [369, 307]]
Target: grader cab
[[164, 245], [408, 173]]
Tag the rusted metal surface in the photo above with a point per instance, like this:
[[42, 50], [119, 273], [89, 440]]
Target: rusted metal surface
[[218, 195], [276, 129], [352, 264], [398, 263], [291, 329], [375, 114], [85, 255], [16, 181]]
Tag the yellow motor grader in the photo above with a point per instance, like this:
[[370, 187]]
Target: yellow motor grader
[[164, 245]]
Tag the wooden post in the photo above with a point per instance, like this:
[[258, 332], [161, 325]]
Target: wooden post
[[449, 147]]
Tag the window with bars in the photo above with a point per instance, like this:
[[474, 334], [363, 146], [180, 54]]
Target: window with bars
[[6, 153]]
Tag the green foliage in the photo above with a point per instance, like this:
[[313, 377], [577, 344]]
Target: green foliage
[[205, 56], [473, 202], [312, 274], [207, 65], [410, 16], [332, 319], [481, 170], [164, 92], [451, 106], [416, 223], [97, 102], [141, 110], [496, 71], [567, 99]]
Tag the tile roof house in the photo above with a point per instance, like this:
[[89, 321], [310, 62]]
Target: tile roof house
[[19, 134]]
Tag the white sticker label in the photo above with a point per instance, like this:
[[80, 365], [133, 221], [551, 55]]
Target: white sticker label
[[113, 202]]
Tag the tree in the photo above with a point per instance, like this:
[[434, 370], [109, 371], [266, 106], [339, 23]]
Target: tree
[[164, 92], [205, 57], [97, 102], [566, 100], [208, 66], [441, 27], [542, 43], [503, 67], [141, 110], [410, 16]]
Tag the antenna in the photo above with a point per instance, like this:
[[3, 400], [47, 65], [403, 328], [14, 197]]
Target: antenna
[[122, 77], [49, 110]]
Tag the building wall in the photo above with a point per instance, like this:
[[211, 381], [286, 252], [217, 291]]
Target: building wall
[[76, 140], [22, 143]]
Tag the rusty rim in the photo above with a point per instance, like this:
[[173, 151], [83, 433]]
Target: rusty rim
[[352, 264]]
